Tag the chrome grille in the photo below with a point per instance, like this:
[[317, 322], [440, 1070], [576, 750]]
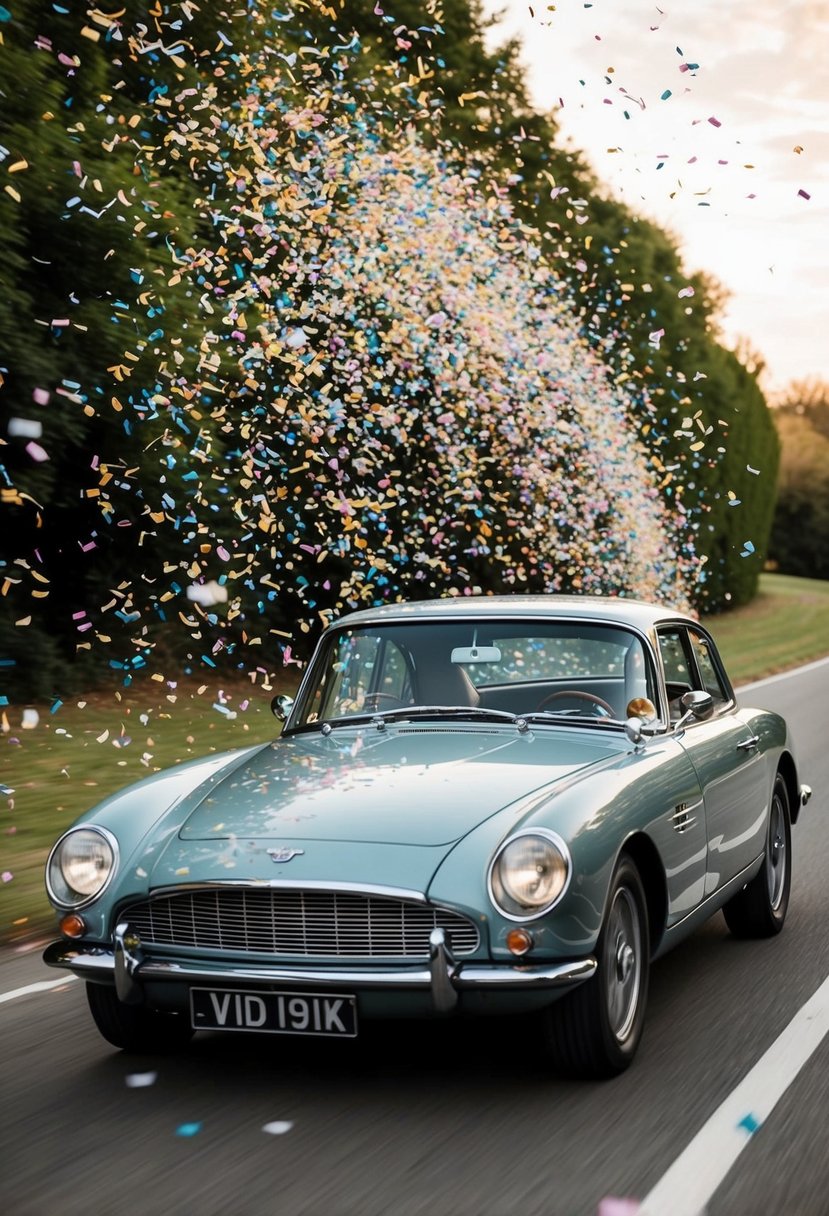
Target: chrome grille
[[304, 923]]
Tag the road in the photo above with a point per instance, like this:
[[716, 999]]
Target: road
[[440, 1118]]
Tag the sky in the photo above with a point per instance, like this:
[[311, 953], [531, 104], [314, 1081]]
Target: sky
[[731, 156]]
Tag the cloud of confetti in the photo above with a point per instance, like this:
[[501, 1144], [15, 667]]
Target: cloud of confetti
[[388, 395]]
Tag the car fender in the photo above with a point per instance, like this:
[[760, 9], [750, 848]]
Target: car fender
[[144, 816], [632, 795]]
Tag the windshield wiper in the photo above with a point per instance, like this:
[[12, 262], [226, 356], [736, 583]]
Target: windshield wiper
[[406, 712], [562, 716]]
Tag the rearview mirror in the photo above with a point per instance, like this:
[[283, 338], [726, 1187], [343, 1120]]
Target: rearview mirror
[[476, 654]]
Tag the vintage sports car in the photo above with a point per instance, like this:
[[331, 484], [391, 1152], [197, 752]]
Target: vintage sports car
[[475, 806]]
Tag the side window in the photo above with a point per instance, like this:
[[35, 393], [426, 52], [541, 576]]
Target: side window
[[394, 676], [678, 678], [366, 673], [705, 662], [349, 676]]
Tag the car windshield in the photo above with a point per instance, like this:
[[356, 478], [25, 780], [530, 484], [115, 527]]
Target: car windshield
[[569, 669]]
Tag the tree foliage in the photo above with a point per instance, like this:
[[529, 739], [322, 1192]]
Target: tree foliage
[[128, 234], [800, 534]]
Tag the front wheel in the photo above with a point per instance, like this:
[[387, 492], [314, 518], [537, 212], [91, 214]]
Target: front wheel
[[133, 1028], [759, 909], [594, 1031]]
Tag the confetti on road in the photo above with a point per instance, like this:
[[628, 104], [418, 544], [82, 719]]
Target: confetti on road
[[277, 1128], [141, 1080]]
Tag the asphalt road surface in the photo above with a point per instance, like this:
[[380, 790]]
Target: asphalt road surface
[[450, 1118]]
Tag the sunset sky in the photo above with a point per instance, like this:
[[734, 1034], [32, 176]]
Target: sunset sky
[[762, 77]]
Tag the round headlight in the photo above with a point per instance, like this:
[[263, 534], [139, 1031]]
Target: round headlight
[[80, 866], [529, 874]]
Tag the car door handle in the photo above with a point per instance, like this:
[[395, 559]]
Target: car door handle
[[748, 745]]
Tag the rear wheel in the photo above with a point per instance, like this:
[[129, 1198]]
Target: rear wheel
[[134, 1028], [759, 910], [594, 1031]]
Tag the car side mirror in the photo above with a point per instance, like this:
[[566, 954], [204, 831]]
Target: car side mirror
[[634, 732], [281, 706], [697, 705]]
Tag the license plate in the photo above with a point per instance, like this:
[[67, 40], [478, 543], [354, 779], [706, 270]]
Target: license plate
[[273, 1012]]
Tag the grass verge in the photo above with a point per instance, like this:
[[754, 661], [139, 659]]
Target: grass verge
[[70, 759], [785, 625]]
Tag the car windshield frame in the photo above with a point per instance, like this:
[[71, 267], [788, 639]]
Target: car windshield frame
[[320, 675]]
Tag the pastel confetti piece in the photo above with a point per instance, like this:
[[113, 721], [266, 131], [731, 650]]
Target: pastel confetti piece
[[29, 719], [6, 876], [277, 1128], [141, 1080], [25, 427]]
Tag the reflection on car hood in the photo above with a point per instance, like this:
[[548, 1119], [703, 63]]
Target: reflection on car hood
[[412, 784]]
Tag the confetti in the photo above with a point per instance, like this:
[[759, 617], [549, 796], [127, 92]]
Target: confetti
[[188, 1129], [278, 1128], [141, 1080]]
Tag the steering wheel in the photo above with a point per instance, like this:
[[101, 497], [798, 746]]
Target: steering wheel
[[375, 697], [578, 696]]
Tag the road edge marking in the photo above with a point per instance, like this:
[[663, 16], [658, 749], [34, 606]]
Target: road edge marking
[[691, 1181], [40, 986]]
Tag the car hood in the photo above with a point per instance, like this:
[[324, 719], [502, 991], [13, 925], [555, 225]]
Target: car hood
[[412, 785]]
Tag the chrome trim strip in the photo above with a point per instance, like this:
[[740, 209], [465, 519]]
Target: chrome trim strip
[[288, 884], [98, 962]]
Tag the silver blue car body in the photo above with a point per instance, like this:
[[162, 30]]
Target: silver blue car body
[[482, 804]]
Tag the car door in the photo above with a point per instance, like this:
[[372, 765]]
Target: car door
[[723, 751]]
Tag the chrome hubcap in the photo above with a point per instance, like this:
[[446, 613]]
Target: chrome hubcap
[[624, 971], [776, 855]]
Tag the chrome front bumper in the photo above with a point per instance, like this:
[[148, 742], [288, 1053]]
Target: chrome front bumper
[[125, 965]]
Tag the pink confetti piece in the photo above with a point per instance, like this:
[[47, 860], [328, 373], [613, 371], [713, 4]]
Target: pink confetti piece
[[37, 452], [715, 122], [803, 194], [7, 876]]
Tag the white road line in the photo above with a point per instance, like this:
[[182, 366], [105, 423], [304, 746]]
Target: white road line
[[697, 1172], [41, 986], [784, 675]]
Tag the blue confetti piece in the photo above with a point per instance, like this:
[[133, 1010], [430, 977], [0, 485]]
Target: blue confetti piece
[[749, 1123], [53, 709], [188, 1129]]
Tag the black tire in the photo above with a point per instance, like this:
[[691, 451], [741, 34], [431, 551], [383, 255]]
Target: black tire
[[594, 1031], [759, 909], [134, 1028]]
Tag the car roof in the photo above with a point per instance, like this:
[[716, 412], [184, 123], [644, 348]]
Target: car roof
[[616, 610]]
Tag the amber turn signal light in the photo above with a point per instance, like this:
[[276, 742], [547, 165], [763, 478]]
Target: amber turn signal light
[[73, 925], [519, 941]]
